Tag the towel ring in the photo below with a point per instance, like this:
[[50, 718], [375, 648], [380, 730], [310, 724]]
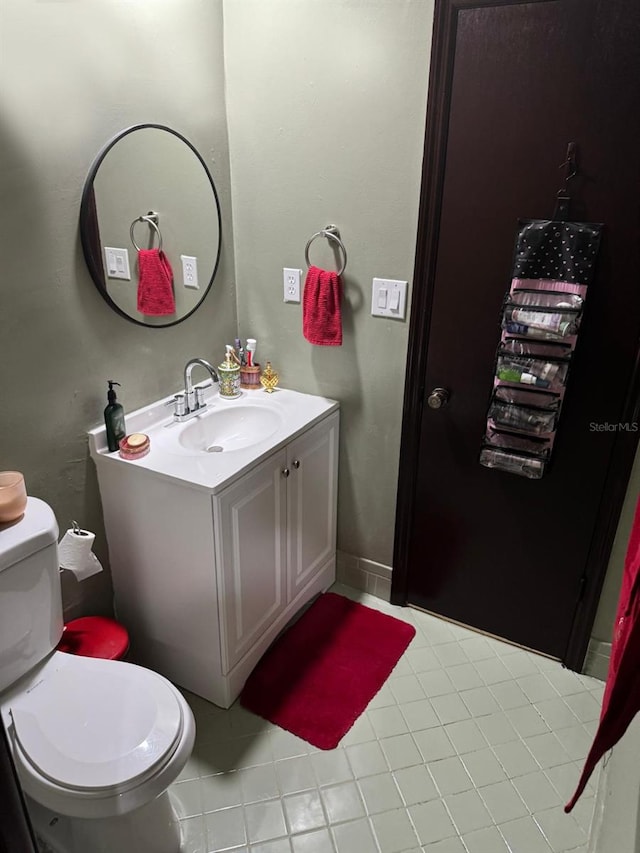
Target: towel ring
[[152, 219], [331, 233]]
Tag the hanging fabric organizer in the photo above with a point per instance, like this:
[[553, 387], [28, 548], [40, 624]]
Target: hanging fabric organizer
[[554, 263]]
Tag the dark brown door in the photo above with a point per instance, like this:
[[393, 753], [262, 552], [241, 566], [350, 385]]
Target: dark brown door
[[512, 84]]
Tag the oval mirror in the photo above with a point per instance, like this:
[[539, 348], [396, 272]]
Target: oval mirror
[[149, 198]]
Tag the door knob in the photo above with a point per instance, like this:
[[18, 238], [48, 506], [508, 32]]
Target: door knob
[[438, 398], [285, 472]]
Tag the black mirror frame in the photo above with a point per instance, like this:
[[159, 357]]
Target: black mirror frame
[[88, 234]]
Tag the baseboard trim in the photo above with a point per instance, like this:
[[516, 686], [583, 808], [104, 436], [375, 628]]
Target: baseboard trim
[[365, 575], [596, 662]]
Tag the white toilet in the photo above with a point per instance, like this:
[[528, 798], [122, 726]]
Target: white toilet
[[96, 743]]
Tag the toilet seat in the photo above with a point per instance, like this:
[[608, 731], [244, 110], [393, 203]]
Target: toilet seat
[[88, 731]]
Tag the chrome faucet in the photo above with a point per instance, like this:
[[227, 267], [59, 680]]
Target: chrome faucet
[[191, 401]]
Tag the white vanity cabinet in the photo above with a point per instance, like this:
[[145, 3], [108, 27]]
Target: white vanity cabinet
[[277, 534], [205, 579]]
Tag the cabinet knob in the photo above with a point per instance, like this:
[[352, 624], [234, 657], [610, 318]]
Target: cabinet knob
[[285, 472], [296, 464]]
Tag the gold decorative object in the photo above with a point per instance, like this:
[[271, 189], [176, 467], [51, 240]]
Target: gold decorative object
[[269, 378]]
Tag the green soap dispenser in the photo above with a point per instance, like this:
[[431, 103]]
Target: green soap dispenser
[[114, 419]]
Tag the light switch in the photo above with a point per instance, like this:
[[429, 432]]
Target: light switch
[[389, 298], [117, 263]]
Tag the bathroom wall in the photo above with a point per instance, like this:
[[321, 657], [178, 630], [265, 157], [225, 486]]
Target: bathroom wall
[[326, 105], [71, 76]]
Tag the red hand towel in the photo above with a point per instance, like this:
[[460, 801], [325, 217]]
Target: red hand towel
[[321, 314], [621, 700], [155, 284]]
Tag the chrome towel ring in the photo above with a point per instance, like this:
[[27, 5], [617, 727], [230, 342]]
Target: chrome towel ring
[[331, 233], [152, 219]]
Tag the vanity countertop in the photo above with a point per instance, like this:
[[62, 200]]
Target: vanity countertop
[[173, 456]]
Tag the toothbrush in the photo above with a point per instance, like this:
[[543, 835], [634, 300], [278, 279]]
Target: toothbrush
[[251, 351]]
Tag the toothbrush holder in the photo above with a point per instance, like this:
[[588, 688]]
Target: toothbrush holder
[[250, 377]]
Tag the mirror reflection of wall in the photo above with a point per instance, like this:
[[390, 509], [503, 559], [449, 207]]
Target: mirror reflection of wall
[[150, 168]]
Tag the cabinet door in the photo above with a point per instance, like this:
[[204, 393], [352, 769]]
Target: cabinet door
[[312, 460], [250, 550]]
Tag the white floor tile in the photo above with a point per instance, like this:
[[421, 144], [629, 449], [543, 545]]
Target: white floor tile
[[450, 654], [447, 845], [515, 758], [561, 830], [479, 701], [464, 676], [225, 829], [356, 836], [400, 751], [527, 721], [432, 821], [450, 776], [486, 840], [406, 688], [318, 841], [465, 736], [380, 793], [434, 744], [280, 845], [483, 767], [344, 802], [259, 783], [537, 791], [387, 721], [524, 835], [332, 766], [394, 831], [503, 802], [509, 694], [304, 811], [366, 759], [416, 785], [468, 811], [419, 715], [450, 708], [295, 774], [265, 821]]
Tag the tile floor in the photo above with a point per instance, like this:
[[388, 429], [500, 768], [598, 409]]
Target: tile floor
[[472, 746]]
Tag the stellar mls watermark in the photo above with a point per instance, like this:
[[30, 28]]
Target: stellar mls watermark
[[627, 426]]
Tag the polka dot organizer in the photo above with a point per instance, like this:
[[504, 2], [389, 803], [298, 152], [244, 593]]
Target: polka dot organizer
[[554, 263]]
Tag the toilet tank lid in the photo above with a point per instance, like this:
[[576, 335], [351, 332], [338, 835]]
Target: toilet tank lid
[[34, 531]]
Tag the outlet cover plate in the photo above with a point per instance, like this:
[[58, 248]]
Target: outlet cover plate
[[189, 271], [291, 284]]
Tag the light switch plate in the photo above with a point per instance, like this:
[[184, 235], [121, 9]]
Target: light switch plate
[[389, 298], [117, 263]]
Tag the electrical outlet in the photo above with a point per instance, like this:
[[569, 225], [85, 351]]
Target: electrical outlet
[[189, 271], [291, 281]]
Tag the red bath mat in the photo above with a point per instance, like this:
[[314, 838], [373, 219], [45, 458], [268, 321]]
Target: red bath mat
[[321, 674]]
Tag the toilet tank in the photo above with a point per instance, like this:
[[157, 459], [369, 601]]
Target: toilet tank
[[30, 598]]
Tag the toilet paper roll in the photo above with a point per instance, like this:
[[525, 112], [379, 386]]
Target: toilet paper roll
[[75, 554]]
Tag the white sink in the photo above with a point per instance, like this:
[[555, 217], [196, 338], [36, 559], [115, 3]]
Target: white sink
[[228, 429]]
